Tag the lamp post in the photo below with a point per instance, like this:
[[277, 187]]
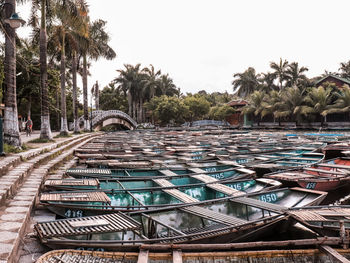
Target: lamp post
[[10, 124]]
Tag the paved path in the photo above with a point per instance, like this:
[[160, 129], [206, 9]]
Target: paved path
[[34, 135]]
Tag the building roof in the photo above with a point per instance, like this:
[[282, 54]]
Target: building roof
[[347, 81], [237, 103]]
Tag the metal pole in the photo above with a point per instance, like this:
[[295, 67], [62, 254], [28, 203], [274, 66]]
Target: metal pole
[[2, 153]]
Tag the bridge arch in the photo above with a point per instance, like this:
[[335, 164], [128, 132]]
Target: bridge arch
[[102, 118]]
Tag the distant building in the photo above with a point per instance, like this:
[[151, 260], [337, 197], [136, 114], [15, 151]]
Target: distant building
[[237, 118], [338, 81]]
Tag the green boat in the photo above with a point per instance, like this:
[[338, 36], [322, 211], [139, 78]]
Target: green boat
[[215, 221]]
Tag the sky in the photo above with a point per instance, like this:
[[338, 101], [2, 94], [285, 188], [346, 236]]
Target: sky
[[202, 43]]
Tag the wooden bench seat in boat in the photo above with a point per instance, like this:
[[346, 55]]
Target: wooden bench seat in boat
[[324, 171], [334, 165], [260, 204], [86, 225], [214, 216], [167, 172], [75, 197]]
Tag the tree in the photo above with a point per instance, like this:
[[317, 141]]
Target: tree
[[170, 109], [45, 129], [318, 101], [198, 107], [280, 71], [342, 102], [94, 46], [69, 24], [113, 98], [345, 69], [220, 112], [291, 104], [132, 80], [255, 104], [245, 83], [267, 80], [295, 75], [11, 131]]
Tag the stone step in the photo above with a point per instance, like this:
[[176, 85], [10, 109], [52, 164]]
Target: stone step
[[12, 161], [15, 215]]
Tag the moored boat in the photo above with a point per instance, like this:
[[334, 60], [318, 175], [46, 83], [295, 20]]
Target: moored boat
[[326, 176]]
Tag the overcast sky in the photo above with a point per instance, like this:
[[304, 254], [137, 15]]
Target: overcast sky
[[202, 43]]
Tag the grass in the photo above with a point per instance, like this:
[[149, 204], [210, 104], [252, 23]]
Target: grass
[[38, 140], [63, 136], [15, 149]]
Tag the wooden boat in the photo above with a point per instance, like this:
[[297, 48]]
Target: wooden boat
[[326, 176], [128, 184], [86, 203], [284, 161], [219, 221], [183, 254], [325, 220], [218, 170]]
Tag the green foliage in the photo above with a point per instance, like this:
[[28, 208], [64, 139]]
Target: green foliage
[[41, 141], [198, 107], [220, 113], [112, 98], [168, 109], [14, 149]]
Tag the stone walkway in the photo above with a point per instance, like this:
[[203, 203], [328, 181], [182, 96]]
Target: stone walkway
[[33, 136], [22, 175]]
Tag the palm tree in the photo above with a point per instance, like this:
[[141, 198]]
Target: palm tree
[[70, 24], [280, 71], [167, 86], [267, 82], [11, 130], [245, 83], [45, 129], [255, 104], [131, 79], [318, 101], [291, 104], [94, 46], [271, 103], [342, 103], [345, 69], [295, 75]]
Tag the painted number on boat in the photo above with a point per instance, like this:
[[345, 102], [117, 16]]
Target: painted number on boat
[[73, 213], [311, 185], [269, 198], [218, 175], [211, 169]]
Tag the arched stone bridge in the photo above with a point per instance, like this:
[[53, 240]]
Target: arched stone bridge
[[102, 118]]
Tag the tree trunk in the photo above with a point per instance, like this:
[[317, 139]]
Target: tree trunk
[[97, 96], [85, 95], [130, 103], [140, 111], [64, 124], [45, 129], [75, 97], [58, 109], [11, 129], [134, 108], [29, 106]]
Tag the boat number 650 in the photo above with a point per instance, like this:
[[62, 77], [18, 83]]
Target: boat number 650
[[269, 198]]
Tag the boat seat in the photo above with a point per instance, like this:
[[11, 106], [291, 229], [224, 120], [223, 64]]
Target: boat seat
[[214, 216], [324, 171], [260, 204]]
